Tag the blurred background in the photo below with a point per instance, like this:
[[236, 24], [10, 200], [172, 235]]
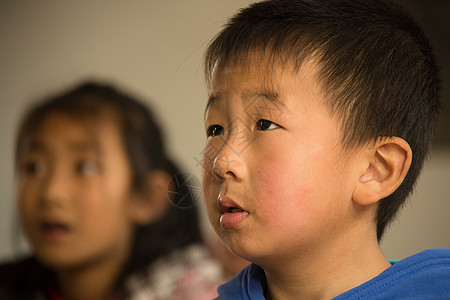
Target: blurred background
[[153, 49]]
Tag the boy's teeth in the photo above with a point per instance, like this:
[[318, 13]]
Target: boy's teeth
[[234, 210]]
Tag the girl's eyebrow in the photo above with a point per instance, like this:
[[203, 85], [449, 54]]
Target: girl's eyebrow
[[75, 146], [36, 146]]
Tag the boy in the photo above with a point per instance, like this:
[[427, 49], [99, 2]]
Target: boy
[[319, 118]]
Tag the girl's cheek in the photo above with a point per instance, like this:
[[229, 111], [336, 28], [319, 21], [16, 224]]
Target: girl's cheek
[[24, 208], [24, 189], [29, 196]]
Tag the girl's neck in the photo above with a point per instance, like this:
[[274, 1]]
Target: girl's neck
[[90, 282]]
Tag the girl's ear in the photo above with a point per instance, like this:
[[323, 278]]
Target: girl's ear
[[152, 203], [386, 164]]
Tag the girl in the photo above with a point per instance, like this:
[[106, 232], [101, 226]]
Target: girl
[[93, 186]]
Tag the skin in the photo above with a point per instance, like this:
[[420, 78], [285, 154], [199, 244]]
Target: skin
[[231, 264], [274, 150], [80, 181]]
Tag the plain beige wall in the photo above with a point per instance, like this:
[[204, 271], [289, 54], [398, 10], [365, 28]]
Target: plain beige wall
[[152, 49]]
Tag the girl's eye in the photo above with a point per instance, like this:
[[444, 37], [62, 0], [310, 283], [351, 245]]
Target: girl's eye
[[86, 167], [34, 168], [263, 125], [214, 130]]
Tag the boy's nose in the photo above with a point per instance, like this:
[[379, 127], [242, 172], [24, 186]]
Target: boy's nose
[[229, 162]]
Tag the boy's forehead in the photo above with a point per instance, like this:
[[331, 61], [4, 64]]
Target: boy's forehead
[[253, 79], [258, 80]]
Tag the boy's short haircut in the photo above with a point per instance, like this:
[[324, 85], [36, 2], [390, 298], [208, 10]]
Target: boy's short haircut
[[376, 67]]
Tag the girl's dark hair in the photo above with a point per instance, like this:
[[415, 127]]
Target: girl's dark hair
[[376, 67], [144, 145]]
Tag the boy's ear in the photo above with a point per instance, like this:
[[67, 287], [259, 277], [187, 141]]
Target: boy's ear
[[152, 203], [386, 164]]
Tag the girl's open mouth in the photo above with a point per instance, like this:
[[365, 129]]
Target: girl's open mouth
[[54, 230]]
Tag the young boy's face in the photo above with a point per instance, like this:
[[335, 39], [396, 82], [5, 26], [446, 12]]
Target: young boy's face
[[276, 179], [73, 192]]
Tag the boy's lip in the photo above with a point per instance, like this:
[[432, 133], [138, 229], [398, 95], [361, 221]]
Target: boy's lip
[[231, 213], [227, 205]]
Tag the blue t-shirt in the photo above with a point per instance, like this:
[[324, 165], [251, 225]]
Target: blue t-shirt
[[425, 275]]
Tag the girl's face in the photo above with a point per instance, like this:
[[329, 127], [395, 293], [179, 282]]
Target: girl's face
[[74, 193]]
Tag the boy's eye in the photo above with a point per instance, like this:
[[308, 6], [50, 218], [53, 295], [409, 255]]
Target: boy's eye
[[263, 125], [214, 130], [34, 168], [86, 167]]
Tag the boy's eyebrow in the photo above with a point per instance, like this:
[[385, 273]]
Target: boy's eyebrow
[[265, 95], [211, 100]]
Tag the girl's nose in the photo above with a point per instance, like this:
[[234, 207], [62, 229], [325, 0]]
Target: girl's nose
[[53, 190]]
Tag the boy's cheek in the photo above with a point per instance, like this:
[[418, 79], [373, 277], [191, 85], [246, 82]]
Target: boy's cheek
[[210, 191], [208, 186], [207, 156], [212, 212], [209, 194], [281, 184]]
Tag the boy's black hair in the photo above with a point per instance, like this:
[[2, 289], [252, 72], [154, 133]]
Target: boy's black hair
[[144, 145], [376, 68]]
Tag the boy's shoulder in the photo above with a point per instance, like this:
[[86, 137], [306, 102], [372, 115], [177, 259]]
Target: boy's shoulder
[[247, 284], [21, 279], [425, 275]]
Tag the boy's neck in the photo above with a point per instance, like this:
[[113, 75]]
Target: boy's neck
[[325, 273]]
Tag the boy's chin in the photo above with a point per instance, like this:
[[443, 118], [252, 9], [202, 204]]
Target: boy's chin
[[246, 253]]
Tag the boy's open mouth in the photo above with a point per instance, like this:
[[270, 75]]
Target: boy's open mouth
[[234, 210], [231, 214], [226, 205]]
